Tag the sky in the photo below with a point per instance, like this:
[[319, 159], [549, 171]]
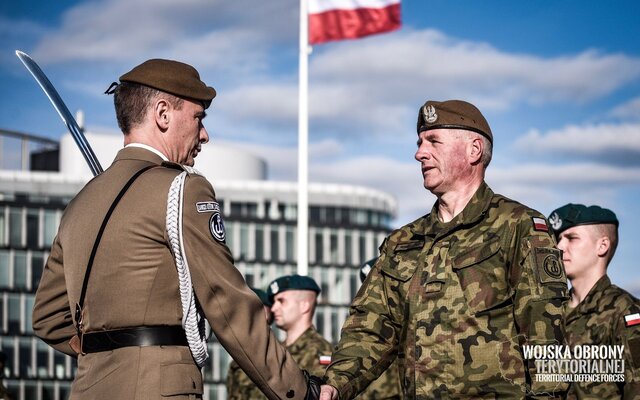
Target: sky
[[558, 81]]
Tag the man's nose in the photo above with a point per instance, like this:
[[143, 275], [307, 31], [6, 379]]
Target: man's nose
[[204, 135]]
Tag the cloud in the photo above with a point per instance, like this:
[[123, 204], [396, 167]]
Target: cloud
[[628, 110], [617, 144]]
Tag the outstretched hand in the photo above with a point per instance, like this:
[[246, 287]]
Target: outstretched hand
[[328, 392]]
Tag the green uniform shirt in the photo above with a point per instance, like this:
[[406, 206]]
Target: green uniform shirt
[[455, 302], [308, 348], [599, 319], [306, 351]]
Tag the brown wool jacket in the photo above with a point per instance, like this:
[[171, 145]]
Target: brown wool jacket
[[134, 283]]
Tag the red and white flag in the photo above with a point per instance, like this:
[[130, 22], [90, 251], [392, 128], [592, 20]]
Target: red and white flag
[[351, 19], [632, 319]]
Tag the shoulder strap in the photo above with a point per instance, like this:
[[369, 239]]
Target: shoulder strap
[[96, 244]]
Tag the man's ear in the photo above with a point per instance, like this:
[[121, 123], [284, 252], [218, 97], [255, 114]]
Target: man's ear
[[604, 246], [162, 114], [476, 148]]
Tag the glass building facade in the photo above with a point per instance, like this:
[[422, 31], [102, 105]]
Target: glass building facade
[[347, 224]]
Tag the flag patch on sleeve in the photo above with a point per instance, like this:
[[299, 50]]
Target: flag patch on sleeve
[[325, 360], [540, 224], [632, 319]]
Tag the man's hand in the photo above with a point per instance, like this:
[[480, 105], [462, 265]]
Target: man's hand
[[328, 392]]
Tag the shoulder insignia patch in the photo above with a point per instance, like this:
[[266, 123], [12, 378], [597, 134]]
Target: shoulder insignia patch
[[540, 224], [325, 360], [207, 206], [549, 265], [631, 320], [216, 226]]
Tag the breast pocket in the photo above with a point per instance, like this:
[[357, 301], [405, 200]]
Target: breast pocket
[[482, 273]]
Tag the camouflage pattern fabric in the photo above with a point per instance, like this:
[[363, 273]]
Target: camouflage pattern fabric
[[240, 386], [308, 348], [454, 303], [599, 319], [386, 387]]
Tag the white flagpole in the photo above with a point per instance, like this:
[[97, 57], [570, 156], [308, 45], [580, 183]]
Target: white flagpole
[[303, 143]]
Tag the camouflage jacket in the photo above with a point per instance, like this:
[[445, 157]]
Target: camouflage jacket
[[240, 386], [308, 348], [599, 319], [386, 387], [455, 302]]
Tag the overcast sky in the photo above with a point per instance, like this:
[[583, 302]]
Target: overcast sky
[[559, 83]]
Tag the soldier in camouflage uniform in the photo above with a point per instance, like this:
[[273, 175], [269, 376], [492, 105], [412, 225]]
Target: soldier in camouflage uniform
[[456, 293], [294, 304], [588, 237], [239, 385]]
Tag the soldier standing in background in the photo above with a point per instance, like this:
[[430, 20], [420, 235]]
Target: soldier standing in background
[[239, 385], [456, 294], [294, 300], [599, 313], [145, 242]]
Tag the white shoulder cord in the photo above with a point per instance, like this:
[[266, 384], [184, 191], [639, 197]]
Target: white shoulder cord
[[192, 321]]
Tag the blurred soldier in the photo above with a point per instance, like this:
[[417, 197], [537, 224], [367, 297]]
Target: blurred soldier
[[458, 292], [294, 304], [599, 313], [239, 385], [387, 386], [140, 257]]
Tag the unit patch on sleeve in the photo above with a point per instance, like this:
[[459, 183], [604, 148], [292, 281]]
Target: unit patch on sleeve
[[549, 265], [539, 224], [216, 226], [207, 206]]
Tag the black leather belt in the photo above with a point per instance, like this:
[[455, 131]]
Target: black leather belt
[[141, 336]]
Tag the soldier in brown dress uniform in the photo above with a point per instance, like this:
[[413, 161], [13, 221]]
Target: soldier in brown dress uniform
[[140, 254]]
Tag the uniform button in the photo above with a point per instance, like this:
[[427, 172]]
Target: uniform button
[[290, 394]]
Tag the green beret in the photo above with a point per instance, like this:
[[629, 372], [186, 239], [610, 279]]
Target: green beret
[[173, 77], [571, 215], [452, 114], [291, 282], [263, 296]]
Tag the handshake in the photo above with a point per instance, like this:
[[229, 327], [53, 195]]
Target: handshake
[[314, 391]]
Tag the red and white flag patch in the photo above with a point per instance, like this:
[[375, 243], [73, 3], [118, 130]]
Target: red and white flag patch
[[325, 360], [632, 319], [540, 224]]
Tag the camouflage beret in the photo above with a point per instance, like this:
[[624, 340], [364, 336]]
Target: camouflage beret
[[571, 215], [366, 268], [173, 77], [291, 282], [452, 114], [262, 295]]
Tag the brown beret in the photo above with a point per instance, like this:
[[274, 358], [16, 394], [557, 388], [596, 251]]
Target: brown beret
[[452, 114], [173, 77]]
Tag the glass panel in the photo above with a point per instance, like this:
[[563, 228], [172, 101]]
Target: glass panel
[[333, 247], [15, 227], [14, 314], [37, 265], [33, 219], [291, 245], [348, 249], [244, 241], [275, 244], [20, 269], [229, 227], [3, 226], [319, 248], [50, 227], [4, 268], [9, 350], [42, 359], [28, 307], [362, 253], [25, 369], [259, 242], [59, 365], [30, 390], [48, 391]]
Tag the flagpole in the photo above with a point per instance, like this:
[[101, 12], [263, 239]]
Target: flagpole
[[303, 143]]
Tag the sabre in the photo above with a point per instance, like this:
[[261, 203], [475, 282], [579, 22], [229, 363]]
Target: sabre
[[63, 111]]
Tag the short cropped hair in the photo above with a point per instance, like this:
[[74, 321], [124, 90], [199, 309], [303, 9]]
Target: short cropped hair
[[487, 152], [132, 102], [610, 231]]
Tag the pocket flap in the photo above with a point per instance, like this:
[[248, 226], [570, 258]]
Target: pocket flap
[[475, 254], [180, 378]]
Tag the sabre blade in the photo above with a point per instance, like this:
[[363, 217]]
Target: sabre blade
[[62, 110]]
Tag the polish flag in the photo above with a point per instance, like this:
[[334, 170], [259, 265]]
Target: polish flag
[[351, 19], [631, 320]]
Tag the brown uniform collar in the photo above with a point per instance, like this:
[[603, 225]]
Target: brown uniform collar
[[138, 153]]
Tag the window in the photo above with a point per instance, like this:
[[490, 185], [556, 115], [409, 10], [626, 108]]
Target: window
[[244, 241], [14, 314], [259, 242], [15, 227], [50, 227], [3, 227], [20, 269], [319, 248], [37, 265], [333, 247], [362, 253], [4, 268], [275, 244], [33, 225], [291, 244], [348, 249]]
